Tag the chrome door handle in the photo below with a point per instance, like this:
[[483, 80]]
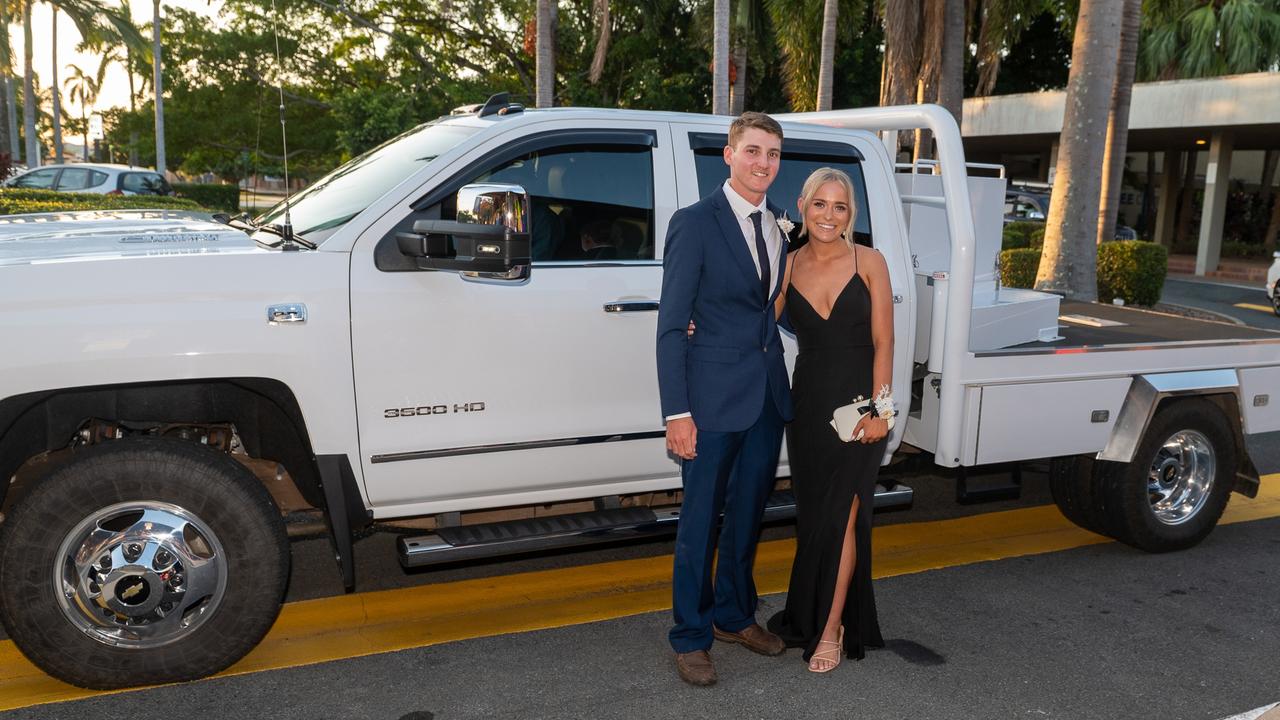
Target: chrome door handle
[[631, 306], [287, 313]]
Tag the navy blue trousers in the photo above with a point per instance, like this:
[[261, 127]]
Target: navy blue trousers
[[733, 473]]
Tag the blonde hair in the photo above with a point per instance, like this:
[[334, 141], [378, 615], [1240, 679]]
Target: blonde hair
[[816, 180]]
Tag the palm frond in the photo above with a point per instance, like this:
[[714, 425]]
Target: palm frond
[[1200, 39], [1239, 22]]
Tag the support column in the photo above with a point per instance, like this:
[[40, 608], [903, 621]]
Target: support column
[[1167, 207], [1214, 212], [1053, 163]]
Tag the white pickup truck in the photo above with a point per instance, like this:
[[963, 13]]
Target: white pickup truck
[[463, 320]]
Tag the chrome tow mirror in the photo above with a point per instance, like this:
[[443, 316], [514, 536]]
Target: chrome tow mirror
[[489, 241]]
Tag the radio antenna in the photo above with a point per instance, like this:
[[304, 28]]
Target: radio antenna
[[290, 243]]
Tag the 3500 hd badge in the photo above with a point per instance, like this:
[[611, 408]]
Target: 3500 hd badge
[[444, 409]]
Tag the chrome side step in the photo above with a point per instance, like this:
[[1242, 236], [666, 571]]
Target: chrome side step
[[471, 542]]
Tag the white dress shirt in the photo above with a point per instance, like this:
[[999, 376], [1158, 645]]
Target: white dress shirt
[[772, 238], [768, 223]]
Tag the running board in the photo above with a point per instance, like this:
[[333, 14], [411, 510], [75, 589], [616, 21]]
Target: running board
[[472, 542]]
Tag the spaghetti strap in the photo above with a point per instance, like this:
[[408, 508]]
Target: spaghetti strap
[[855, 259]]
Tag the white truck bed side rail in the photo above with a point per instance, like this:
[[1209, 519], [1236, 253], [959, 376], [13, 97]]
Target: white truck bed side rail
[[963, 244]]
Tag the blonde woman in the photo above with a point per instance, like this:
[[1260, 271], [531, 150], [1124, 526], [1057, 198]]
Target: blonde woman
[[838, 300]]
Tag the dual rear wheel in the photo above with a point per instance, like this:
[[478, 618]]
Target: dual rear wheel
[[1171, 496]]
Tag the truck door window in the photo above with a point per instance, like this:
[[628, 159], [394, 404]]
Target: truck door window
[[798, 161], [589, 203]]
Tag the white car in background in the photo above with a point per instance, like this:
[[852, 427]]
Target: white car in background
[[1273, 283], [105, 179]]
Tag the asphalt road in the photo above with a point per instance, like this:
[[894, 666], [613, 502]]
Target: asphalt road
[[1098, 632], [1224, 299]]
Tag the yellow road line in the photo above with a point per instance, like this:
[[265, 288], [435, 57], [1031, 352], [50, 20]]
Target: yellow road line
[[1251, 306], [313, 631]]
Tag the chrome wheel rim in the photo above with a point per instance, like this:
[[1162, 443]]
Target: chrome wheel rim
[[1181, 477], [140, 574]]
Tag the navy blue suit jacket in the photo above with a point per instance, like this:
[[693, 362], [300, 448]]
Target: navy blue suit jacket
[[721, 374]]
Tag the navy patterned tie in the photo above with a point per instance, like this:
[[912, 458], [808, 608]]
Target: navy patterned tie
[[762, 253]]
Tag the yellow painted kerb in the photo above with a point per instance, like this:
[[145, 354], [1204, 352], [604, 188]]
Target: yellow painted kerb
[[313, 631]]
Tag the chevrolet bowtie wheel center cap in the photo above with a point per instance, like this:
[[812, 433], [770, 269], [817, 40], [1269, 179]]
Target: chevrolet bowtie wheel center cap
[[1181, 477], [140, 574]]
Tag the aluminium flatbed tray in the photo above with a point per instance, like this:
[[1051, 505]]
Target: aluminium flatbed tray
[[1120, 326]]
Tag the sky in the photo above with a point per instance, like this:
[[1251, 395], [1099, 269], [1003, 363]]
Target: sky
[[115, 90]]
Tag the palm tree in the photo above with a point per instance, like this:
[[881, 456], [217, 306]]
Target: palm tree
[[29, 101], [1000, 24], [900, 67], [720, 59], [158, 84], [603, 34], [1203, 38], [901, 64], [941, 77], [83, 90], [1118, 122], [10, 118], [123, 45], [1069, 262], [827, 55], [89, 16], [951, 70], [545, 56], [749, 29], [53, 90]]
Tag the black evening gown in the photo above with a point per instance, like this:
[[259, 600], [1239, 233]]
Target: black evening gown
[[833, 367]]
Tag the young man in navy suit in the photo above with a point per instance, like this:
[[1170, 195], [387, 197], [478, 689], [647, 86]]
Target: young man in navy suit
[[725, 394]]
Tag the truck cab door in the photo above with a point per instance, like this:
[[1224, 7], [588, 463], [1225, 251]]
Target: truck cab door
[[480, 393]]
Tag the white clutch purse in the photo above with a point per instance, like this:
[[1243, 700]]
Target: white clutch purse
[[846, 417]]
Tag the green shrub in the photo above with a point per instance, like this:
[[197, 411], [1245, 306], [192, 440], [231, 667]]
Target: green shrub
[[1133, 270], [1018, 267], [216, 197], [1016, 235], [1036, 236], [15, 201], [1235, 249]]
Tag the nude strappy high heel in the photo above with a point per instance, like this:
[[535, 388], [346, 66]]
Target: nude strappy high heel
[[831, 654]]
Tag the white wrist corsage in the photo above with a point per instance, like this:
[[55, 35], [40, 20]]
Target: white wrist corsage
[[884, 402], [786, 226]]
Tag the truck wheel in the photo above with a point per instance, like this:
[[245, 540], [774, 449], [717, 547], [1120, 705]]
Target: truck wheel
[[1073, 483], [1175, 490], [145, 560]]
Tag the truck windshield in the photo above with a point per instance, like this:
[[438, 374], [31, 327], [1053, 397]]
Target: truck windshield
[[331, 201]]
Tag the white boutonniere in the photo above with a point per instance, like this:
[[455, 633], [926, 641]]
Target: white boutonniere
[[786, 226]]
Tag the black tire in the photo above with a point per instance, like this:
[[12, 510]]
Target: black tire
[[1128, 501], [1073, 483], [211, 486], [1275, 298]]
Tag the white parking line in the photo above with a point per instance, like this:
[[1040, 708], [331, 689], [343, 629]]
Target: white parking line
[[1203, 281]]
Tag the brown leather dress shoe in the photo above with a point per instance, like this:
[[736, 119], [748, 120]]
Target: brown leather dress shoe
[[754, 638], [695, 668]]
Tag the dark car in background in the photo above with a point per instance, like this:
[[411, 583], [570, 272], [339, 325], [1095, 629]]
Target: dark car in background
[[1029, 202], [1026, 202]]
